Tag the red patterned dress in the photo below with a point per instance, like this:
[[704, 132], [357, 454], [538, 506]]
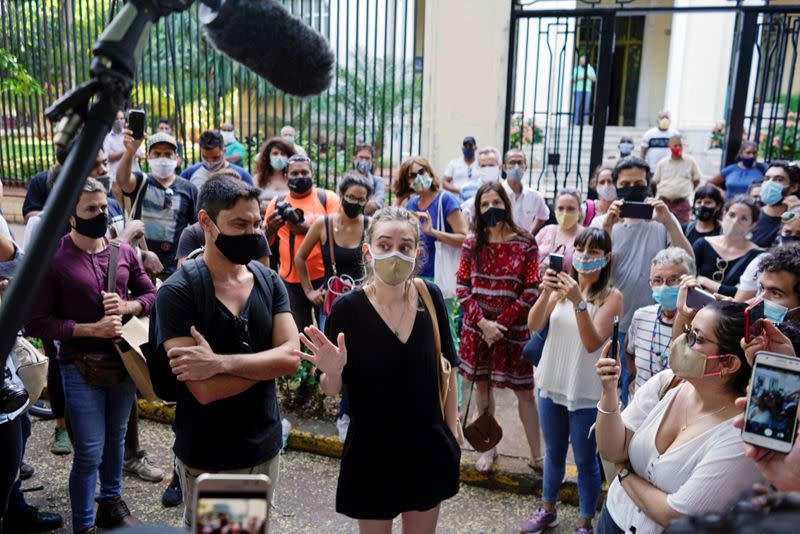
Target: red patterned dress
[[501, 286]]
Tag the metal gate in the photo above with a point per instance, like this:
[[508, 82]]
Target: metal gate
[[561, 123]]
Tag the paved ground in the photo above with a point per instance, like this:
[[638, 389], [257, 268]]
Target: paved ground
[[307, 490]]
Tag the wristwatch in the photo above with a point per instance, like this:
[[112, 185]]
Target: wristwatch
[[622, 474], [580, 307]]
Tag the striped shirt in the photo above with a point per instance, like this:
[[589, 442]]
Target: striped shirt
[[649, 338]]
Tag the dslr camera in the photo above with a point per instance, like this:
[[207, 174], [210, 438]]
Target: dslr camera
[[289, 213], [12, 397]]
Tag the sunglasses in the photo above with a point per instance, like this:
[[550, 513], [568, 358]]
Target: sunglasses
[[168, 192], [789, 215], [719, 274], [241, 333], [693, 338], [422, 172]]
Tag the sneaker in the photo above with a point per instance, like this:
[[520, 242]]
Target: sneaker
[[60, 443], [112, 512], [173, 495], [342, 424], [30, 519], [142, 468], [539, 521], [584, 530], [25, 471]]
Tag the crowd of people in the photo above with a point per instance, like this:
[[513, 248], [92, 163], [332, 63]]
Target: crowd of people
[[396, 300]]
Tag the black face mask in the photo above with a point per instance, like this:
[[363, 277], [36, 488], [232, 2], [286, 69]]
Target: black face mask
[[352, 210], [94, 228], [300, 185], [788, 239], [705, 213], [493, 216], [239, 249], [633, 193]]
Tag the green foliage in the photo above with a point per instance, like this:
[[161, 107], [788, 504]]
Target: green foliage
[[28, 155], [717, 135], [524, 131], [14, 78]]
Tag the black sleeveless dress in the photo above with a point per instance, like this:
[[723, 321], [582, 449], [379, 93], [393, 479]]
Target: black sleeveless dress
[[399, 454], [349, 261]]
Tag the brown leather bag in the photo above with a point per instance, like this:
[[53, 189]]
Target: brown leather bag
[[484, 433]]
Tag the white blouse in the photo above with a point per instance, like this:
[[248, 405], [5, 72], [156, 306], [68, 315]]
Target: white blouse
[[703, 475]]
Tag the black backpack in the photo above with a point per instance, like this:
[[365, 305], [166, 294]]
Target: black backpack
[[164, 381]]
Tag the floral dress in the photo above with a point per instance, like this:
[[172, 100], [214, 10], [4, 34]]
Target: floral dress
[[500, 285]]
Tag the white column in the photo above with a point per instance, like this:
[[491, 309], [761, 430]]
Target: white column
[[464, 81]]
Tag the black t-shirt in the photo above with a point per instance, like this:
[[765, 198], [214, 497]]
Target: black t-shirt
[[692, 235], [36, 193], [165, 211], [239, 431], [766, 230], [193, 238]]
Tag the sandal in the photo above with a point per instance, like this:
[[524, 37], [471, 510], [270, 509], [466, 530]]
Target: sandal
[[485, 461], [537, 464]]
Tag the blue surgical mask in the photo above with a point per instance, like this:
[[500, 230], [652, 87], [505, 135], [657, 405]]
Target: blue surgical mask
[[278, 162], [625, 149], [289, 138], [774, 311], [584, 264], [771, 193], [666, 297], [213, 166]]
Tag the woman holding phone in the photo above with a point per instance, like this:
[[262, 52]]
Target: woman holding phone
[[583, 302], [559, 238], [400, 456], [682, 454]]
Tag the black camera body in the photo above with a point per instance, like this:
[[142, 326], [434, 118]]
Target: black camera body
[[289, 213], [12, 396]]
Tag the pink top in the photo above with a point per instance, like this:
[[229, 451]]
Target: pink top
[[548, 241]]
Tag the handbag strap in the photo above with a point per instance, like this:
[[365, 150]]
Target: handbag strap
[[422, 289], [111, 283], [440, 219], [329, 230]]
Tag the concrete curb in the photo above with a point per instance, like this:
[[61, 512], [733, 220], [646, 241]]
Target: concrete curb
[[509, 473]]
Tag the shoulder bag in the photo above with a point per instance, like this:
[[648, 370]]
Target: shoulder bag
[[446, 258], [484, 433], [31, 367], [443, 367], [336, 285]]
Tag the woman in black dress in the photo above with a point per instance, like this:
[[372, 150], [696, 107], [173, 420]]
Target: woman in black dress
[[400, 456]]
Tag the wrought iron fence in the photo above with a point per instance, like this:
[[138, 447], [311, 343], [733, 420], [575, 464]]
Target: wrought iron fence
[[375, 96]]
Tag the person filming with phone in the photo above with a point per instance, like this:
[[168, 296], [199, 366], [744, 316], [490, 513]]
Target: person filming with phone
[[639, 228], [580, 309], [680, 451]]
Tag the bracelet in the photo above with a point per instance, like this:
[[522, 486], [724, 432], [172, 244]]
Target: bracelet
[[599, 409]]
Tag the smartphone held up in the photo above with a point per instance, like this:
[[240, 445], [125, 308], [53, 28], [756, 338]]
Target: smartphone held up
[[771, 413], [231, 503]]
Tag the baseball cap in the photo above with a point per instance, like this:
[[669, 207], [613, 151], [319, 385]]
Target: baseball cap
[[161, 137], [469, 140]]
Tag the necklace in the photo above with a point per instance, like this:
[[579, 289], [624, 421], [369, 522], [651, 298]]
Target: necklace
[[395, 331], [686, 423]]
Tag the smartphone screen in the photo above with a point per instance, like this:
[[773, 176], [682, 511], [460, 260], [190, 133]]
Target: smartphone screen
[[556, 262], [771, 416], [136, 123], [753, 321], [231, 505], [636, 210]]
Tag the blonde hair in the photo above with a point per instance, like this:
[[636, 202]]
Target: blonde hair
[[392, 214]]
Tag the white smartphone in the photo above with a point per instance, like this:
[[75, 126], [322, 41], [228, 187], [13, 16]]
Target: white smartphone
[[235, 503], [771, 414]]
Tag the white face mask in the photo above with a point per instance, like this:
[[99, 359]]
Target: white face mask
[[607, 192], [162, 167], [228, 137], [489, 174]]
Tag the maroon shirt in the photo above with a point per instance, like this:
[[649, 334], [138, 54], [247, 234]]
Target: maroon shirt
[[72, 293]]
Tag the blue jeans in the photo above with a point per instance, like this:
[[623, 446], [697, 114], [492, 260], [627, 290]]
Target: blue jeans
[[99, 419], [606, 524], [559, 427], [581, 103]]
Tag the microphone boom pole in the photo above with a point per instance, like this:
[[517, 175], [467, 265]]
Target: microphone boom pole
[[117, 52]]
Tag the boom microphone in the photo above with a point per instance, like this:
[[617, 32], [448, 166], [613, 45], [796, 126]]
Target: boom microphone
[[264, 37]]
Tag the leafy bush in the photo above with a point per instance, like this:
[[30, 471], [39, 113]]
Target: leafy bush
[[524, 131], [717, 135]]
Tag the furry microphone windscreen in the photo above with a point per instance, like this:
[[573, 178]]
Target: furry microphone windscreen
[[264, 37]]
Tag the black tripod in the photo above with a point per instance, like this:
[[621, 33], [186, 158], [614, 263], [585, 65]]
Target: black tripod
[[86, 112]]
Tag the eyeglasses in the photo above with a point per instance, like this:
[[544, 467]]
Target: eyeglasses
[[671, 281], [693, 338], [168, 192], [356, 200], [241, 332], [421, 172], [719, 274]]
